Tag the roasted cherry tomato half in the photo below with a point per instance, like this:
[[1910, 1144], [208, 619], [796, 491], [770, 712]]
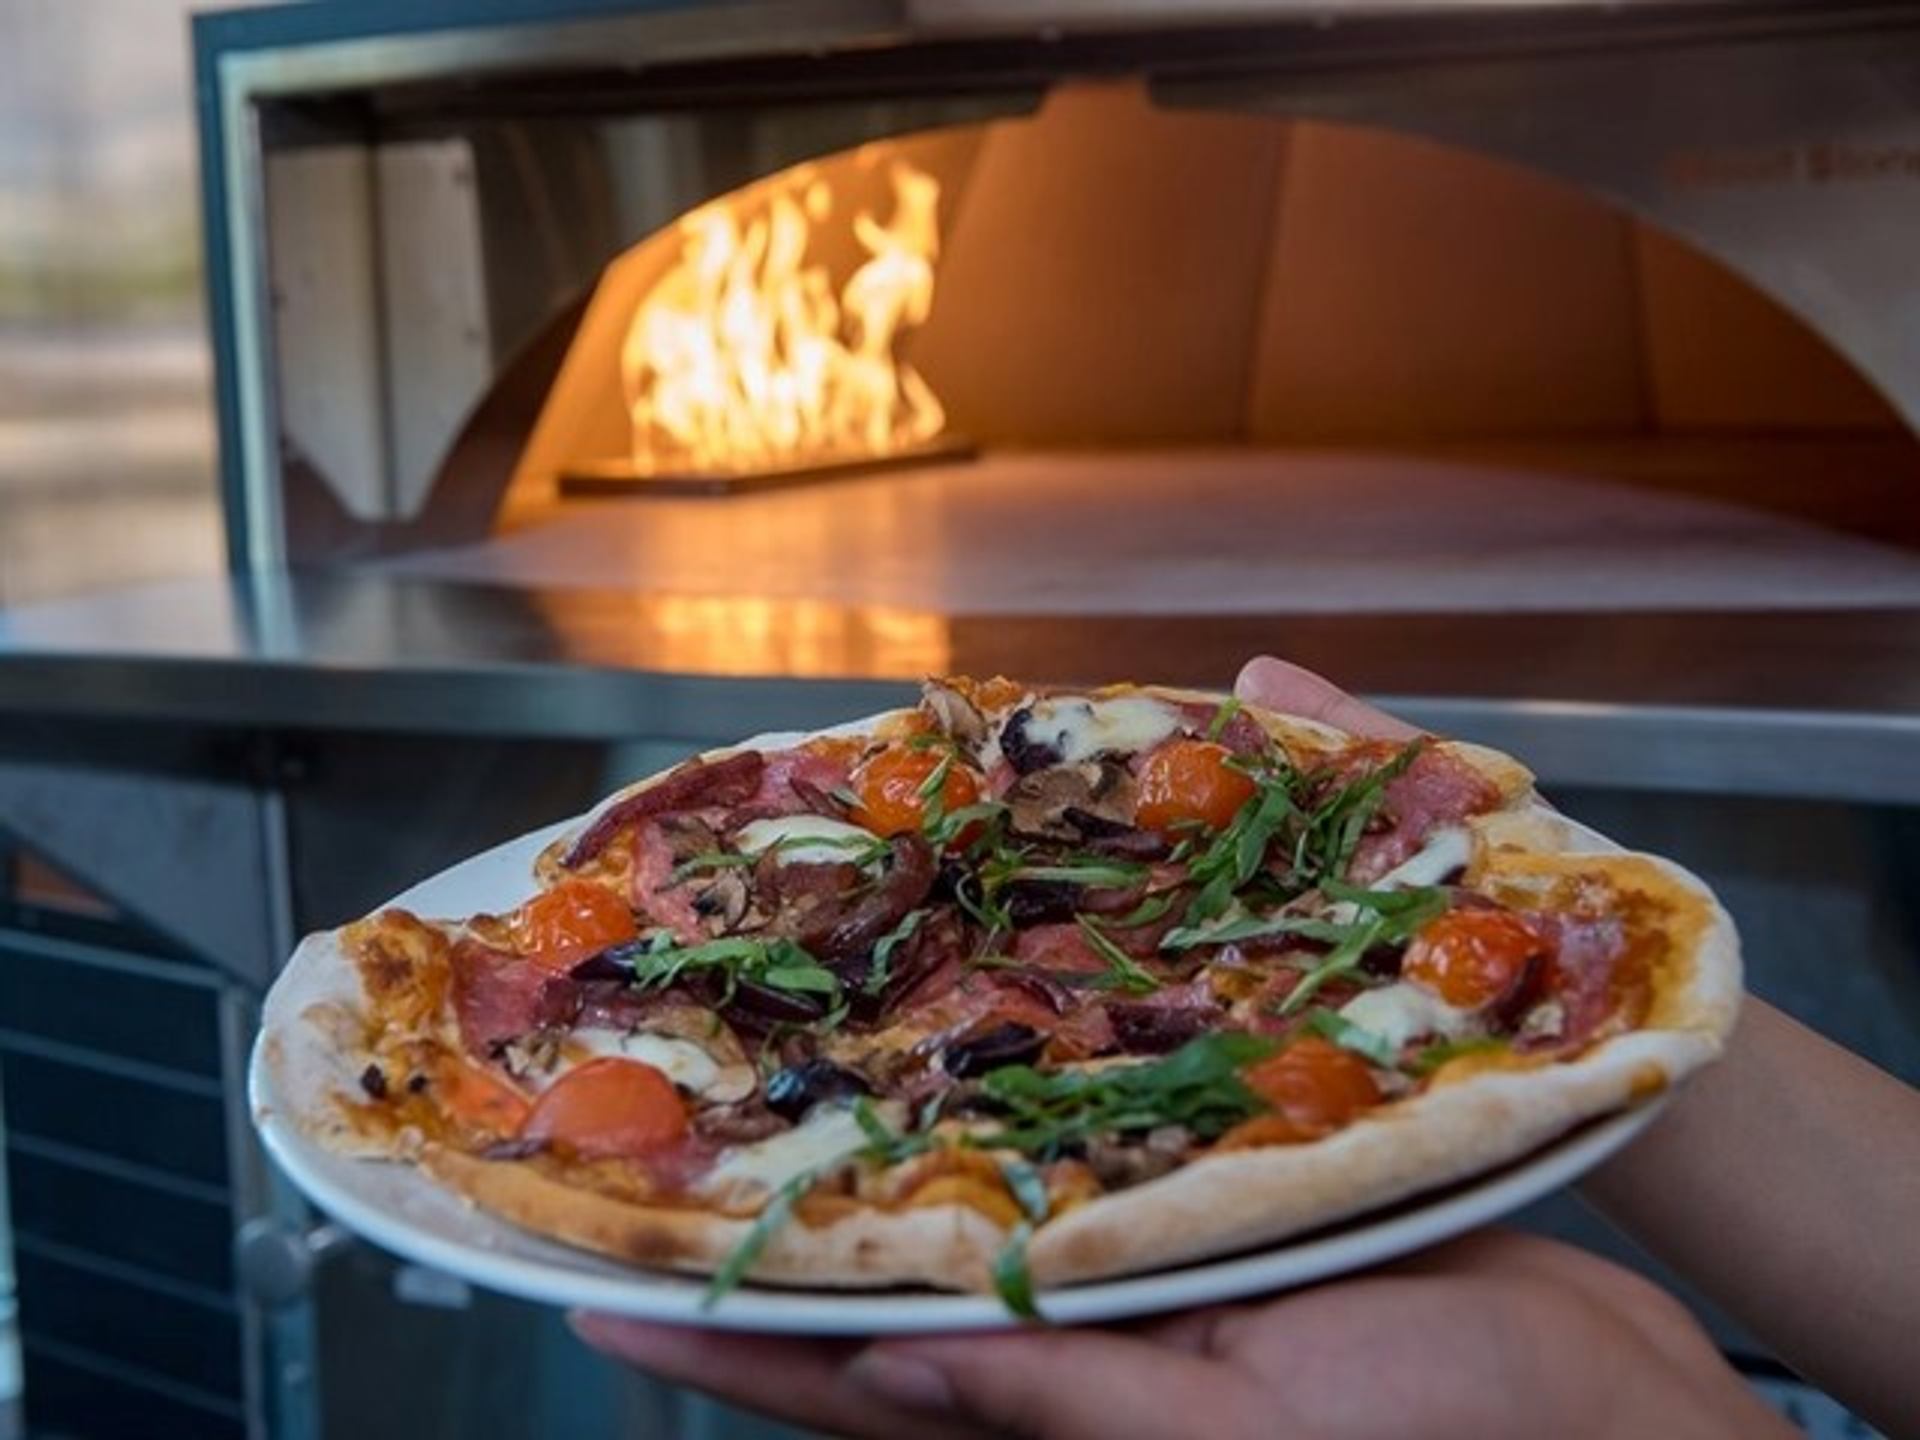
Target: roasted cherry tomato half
[[609, 1107], [1190, 781], [1314, 1086], [477, 1098], [889, 787], [1472, 958], [577, 918]]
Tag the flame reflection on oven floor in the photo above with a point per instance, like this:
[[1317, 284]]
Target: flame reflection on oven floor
[[747, 634], [742, 357]]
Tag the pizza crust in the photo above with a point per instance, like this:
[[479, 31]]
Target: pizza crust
[[947, 1246], [314, 1022], [312, 1037]]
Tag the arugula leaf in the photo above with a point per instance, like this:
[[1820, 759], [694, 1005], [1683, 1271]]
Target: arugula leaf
[[883, 1145], [1349, 1036], [1222, 718], [1028, 1186], [777, 1212], [1325, 845], [992, 916], [936, 778], [705, 861], [1072, 979], [884, 947], [1197, 1086], [808, 978], [1105, 876], [1408, 900], [1396, 915], [943, 829], [1145, 913], [864, 850], [1434, 1056], [1255, 927], [1127, 973], [779, 964], [1011, 1280], [1235, 854]]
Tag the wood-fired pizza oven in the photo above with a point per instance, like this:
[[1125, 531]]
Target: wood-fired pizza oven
[[1092, 308]]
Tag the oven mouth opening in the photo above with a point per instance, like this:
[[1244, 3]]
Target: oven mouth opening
[[1183, 362]]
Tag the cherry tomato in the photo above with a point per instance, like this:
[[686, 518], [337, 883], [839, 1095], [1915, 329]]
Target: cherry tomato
[[1190, 780], [609, 1107], [577, 918], [889, 784], [1314, 1086], [1471, 958], [477, 1098]]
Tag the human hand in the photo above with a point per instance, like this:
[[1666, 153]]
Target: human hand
[[1288, 688], [1498, 1334]]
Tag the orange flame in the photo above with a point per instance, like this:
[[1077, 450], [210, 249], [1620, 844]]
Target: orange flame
[[742, 358]]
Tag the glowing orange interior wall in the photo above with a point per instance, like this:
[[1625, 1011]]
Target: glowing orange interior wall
[[1116, 274]]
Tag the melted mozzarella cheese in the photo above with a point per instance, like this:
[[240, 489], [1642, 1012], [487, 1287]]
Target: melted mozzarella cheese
[[1401, 1012], [1448, 849], [805, 839], [1078, 729], [826, 1135], [681, 1061]]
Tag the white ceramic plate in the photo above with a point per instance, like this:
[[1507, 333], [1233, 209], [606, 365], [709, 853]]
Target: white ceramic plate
[[404, 1212]]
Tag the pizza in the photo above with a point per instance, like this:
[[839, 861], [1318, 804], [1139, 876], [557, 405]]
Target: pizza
[[1019, 986]]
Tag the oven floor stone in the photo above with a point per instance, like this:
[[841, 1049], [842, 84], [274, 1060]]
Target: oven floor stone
[[1203, 532]]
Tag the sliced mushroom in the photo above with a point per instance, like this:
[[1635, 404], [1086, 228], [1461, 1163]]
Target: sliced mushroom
[[953, 712], [1121, 1163], [1062, 802], [738, 1124], [1127, 843], [725, 899]]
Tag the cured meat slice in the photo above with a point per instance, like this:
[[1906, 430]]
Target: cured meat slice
[[728, 780]]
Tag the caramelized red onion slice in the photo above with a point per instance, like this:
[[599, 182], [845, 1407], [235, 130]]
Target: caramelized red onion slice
[[1007, 1044], [793, 1091], [1146, 1029]]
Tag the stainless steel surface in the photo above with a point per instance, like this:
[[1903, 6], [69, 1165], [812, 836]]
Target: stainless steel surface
[[1823, 704], [277, 1261], [971, 16], [149, 841], [1792, 160], [1282, 532]]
